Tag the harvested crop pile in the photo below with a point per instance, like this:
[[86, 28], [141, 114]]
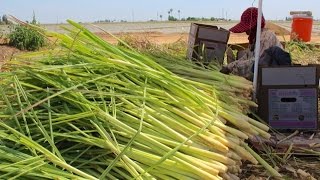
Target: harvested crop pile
[[90, 110]]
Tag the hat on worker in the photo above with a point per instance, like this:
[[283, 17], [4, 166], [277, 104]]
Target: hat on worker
[[248, 21]]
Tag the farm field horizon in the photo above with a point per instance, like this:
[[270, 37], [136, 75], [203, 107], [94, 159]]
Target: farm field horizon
[[168, 32]]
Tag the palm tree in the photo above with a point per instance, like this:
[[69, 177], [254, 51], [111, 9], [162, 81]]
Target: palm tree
[[160, 17], [179, 13], [170, 14]]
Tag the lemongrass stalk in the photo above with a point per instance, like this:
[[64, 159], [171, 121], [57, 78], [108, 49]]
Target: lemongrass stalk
[[233, 138], [94, 172], [215, 144], [202, 165], [110, 175], [169, 120], [18, 161], [26, 170], [245, 154], [207, 116], [163, 126], [209, 167], [186, 116], [110, 144], [222, 78], [54, 159], [79, 155], [222, 139], [231, 130], [37, 121], [65, 118], [212, 128], [271, 170], [31, 174], [233, 177], [225, 176], [121, 173], [234, 156], [235, 121], [212, 164], [129, 130], [233, 170], [249, 135], [247, 102], [261, 132], [210, 101], [170, 173], [19, 172], [258, 124], [10, 108], [149, 159], [147, 131], [252, 131], [50, 121], [193, 150], [176, 121], [23, 115], [189, 123], [57, 173], [133, 138]]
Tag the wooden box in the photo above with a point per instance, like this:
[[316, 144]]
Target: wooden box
[[288, 97], [207, 43]]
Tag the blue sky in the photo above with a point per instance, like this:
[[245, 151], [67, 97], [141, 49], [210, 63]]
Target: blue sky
[[53, 11]]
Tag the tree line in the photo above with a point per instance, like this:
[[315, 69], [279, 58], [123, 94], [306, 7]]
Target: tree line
[[171, 17], [4, 20]]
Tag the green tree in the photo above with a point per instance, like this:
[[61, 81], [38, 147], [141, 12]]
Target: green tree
[[171, 18], [5, 19], [34, 21], [213, 19], [25, 38]]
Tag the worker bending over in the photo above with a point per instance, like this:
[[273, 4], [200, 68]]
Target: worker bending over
[[270, 47]]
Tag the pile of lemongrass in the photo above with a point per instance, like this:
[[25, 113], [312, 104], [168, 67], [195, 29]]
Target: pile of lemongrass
[[91, 110], [172, 57]]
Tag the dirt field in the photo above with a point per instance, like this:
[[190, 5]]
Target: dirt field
[[171, 32], [158, 37], [161, 32], [6, 52]]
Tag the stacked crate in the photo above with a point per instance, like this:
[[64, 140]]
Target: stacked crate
[[207, 43]]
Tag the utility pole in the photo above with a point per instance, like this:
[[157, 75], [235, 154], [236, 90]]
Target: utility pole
[[257, 51], [132, 13], [222, 13]]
